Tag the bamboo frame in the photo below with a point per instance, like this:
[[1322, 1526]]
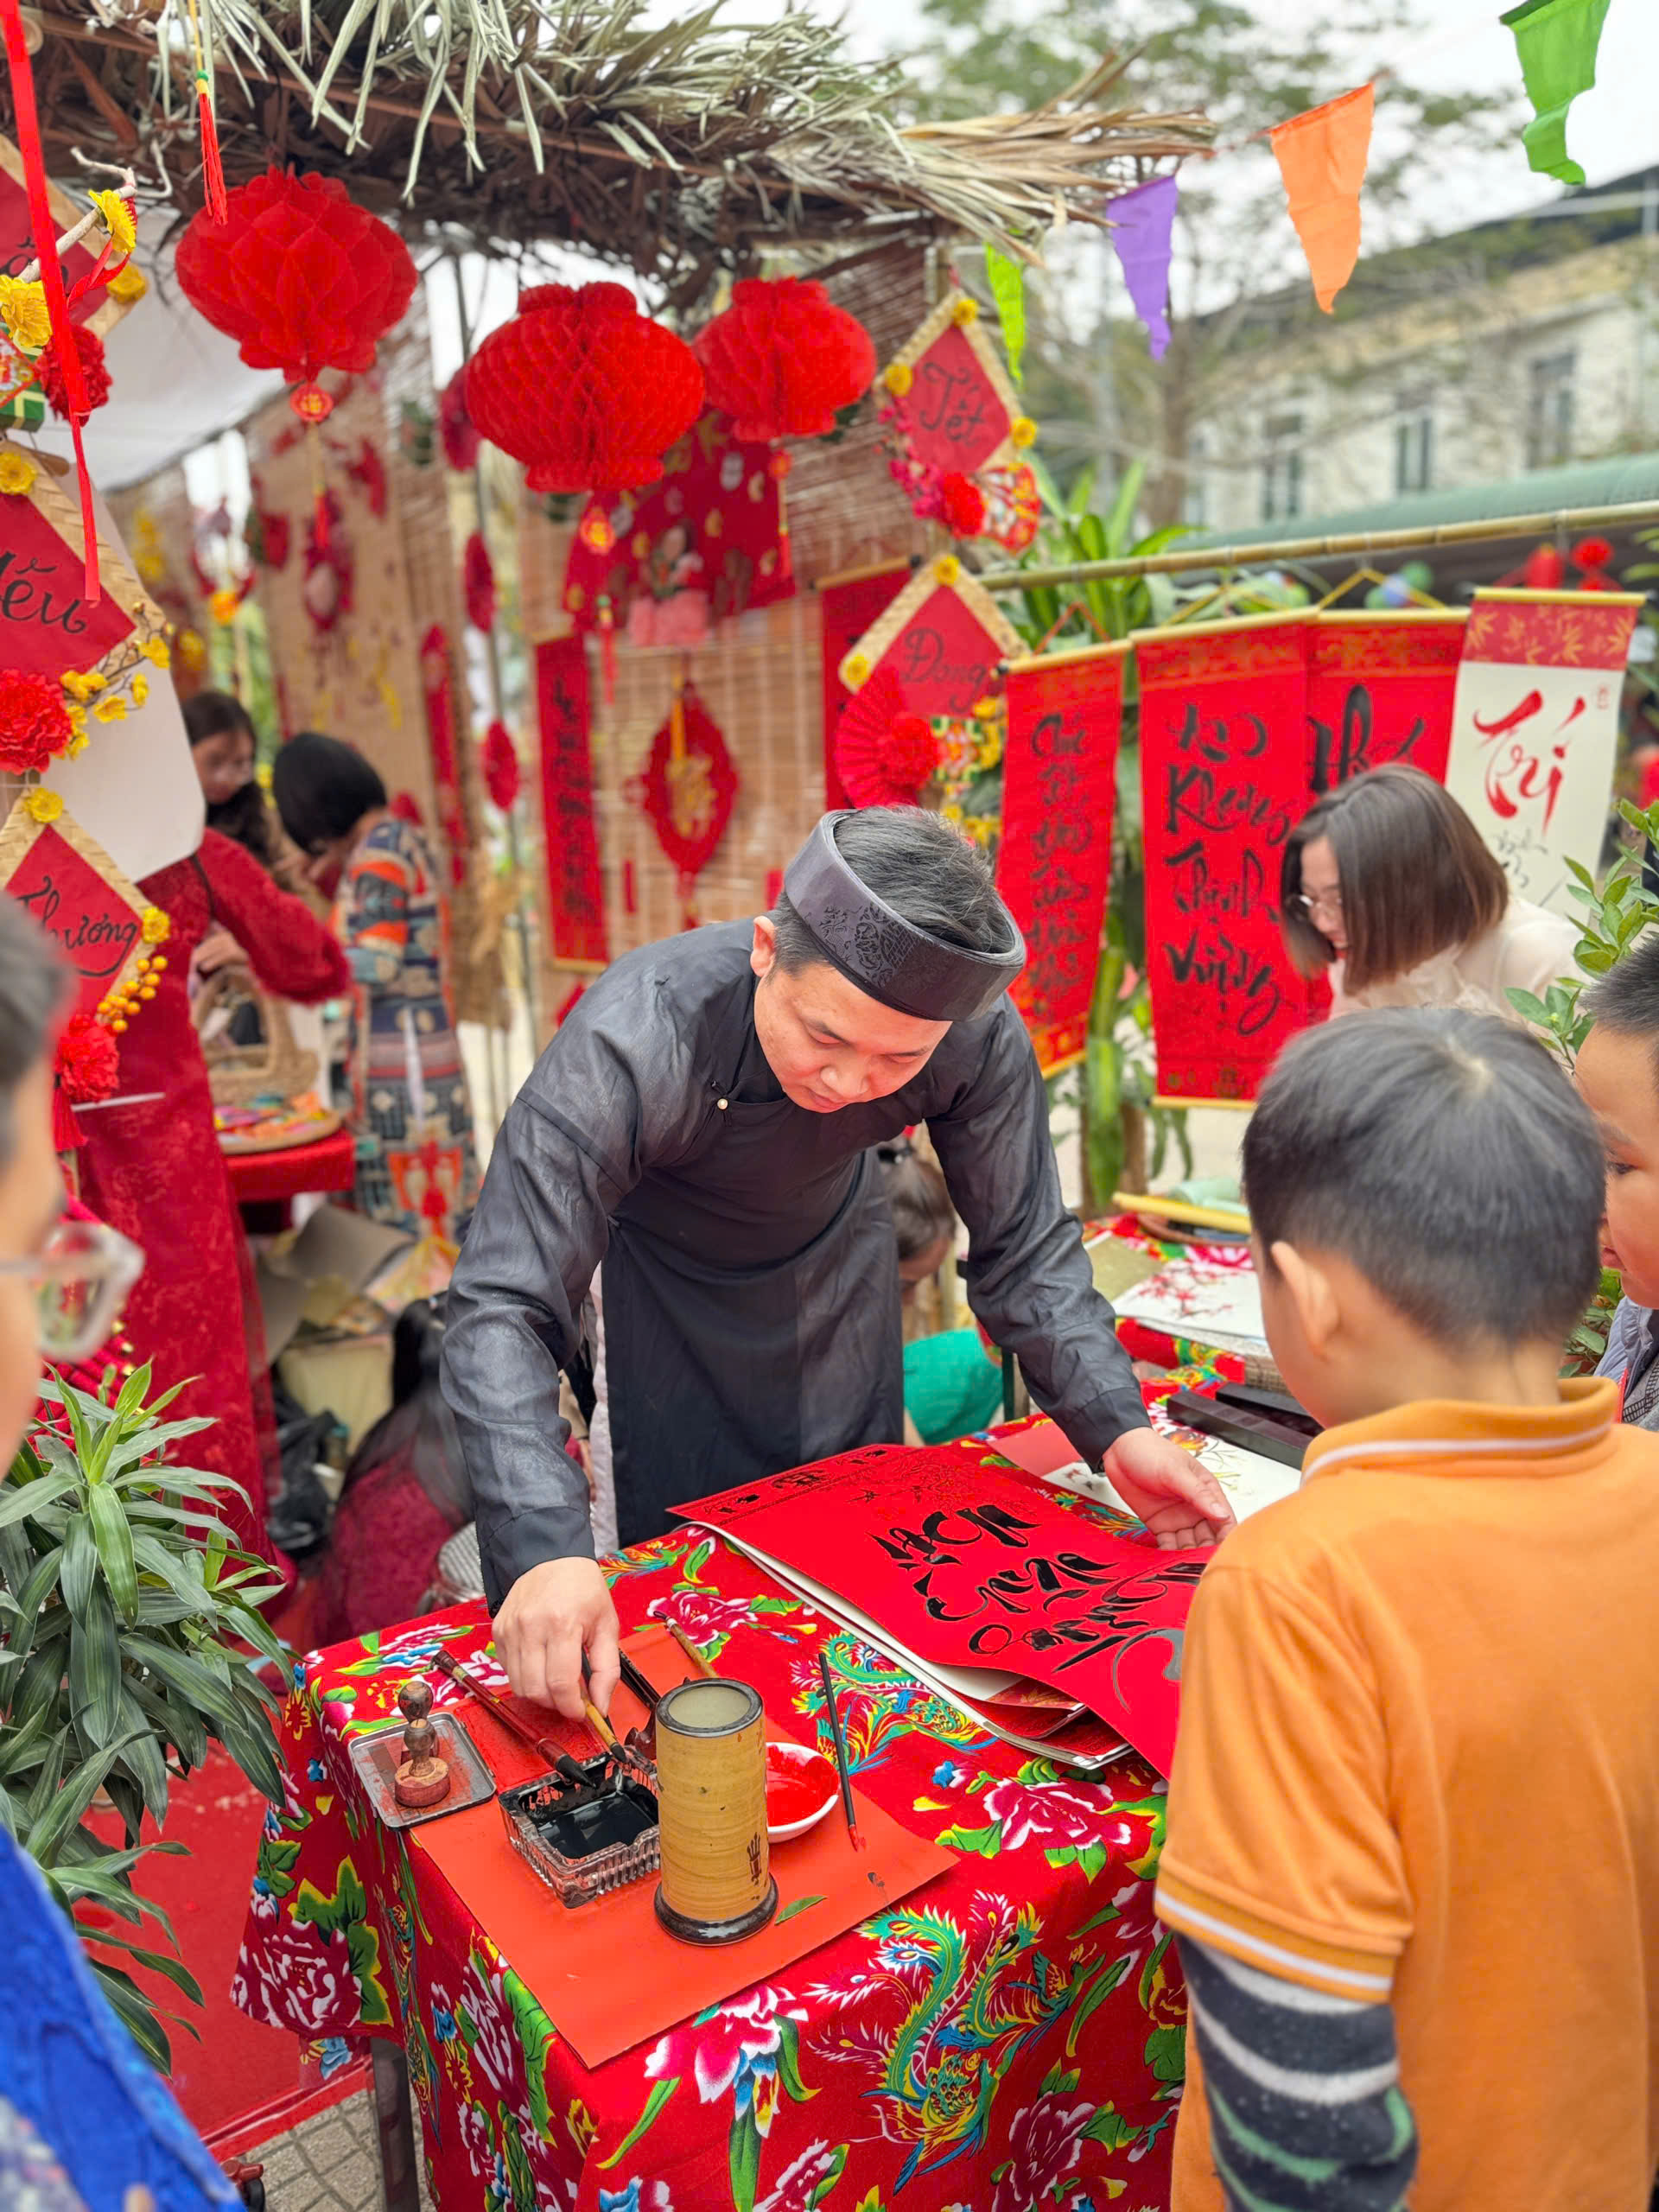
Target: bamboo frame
[[1103, 650], [1635, 514]]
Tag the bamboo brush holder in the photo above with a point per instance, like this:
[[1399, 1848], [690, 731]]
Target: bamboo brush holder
[[716, 1883]]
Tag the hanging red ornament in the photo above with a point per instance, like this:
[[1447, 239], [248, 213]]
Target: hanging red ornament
[[583, 388], [478, 582], [500, 767], [962, 506], [94, 372], [1543, 569], [690, 786], [368, 471], [35, 724], [455, 426], [300, 275], [783, 359], [1592, 553], [86, 1068], [884, 755]]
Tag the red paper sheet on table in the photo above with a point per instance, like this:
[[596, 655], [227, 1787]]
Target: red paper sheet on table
[[1380, 688], [576, 891], [848, 610], [967, 1563], [1054, 866], [1224, 767], [607, 1973]]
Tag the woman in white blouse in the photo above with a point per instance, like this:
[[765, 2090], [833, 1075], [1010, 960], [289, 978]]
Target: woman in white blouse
[[1385, 885]]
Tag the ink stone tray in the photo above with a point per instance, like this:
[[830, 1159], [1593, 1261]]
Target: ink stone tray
[[377, 1753]]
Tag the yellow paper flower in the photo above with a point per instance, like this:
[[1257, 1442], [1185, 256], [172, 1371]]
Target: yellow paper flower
[[158, 652], [112, 710], [22, 309], [17, 473], [42, 804], [76, 745], [856, 668], [156, 925], [898, 378], [984, 709], [1023, 431], [117, 218], [947, 569], [192, 652], [964, 312], [222, 607], [81, 685], [139, 688], [127, 285]]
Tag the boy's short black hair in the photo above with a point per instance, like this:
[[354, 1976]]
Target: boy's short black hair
[[322, 789], [1446, 1157], [1626, 999]]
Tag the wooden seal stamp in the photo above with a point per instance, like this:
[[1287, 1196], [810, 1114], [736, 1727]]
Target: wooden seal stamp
[[422, 1779]]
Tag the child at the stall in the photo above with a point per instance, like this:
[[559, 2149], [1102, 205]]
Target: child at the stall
[[1618, 1076], [953, 1386], [1413, 1855]]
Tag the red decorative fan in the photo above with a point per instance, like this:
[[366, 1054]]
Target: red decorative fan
[[884, 755]]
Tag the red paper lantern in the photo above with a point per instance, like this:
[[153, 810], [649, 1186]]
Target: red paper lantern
[[583, 388], [301, 277], [1543, 569], [500, 767], [783, 359]]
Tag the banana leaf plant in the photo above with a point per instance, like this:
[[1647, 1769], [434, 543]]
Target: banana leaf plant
[[129, 1624]]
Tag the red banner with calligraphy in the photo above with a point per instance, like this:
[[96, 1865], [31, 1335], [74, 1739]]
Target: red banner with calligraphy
[[576, 891], [1380, 688], [437, 684], [979, 1567], [1225, 780], [848, 610], [1054, 867], [1535, 730]]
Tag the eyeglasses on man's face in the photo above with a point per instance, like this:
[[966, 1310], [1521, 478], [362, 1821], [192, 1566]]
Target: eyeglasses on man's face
[[80, 1279]]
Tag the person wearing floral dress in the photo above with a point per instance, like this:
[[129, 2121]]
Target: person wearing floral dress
[[416, 1166]]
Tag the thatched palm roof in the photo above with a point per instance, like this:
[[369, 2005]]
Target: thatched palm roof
[[681, 148]]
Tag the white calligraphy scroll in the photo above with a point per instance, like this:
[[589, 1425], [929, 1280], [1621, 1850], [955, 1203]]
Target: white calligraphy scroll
[[1534, 729]]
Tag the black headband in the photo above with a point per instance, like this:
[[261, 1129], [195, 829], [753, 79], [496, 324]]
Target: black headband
[[882, 953]]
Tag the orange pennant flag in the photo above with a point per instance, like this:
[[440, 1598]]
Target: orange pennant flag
[[1322, 157]]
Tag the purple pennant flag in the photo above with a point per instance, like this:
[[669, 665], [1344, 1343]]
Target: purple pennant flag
[[1143, 221]]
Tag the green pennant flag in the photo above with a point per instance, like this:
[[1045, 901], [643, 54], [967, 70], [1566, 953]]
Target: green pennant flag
[[1008, 282], [1557, 41]]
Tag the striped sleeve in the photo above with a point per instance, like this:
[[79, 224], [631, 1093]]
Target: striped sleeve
[[374, 916], [1303, 2088]]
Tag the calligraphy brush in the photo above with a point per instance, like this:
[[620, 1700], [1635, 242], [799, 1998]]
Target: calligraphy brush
[[544, 1747], [841, 1751]]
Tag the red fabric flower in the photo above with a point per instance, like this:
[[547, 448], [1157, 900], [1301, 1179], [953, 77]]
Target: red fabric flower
[[478, 582], [783, 359], [88, 1060], [884, 755], [500, 767], [94, 372], [583, 388], [1591, 553], [301, 277], [455, 426], [963, 505], [34, 725]]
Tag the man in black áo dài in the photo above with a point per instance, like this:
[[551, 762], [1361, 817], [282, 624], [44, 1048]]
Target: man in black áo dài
[[702, 1124]]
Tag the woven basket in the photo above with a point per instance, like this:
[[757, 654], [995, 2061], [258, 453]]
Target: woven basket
[[241, 1074]]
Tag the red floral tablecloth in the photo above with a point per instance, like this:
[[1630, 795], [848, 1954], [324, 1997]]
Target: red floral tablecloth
[[1009, 2036]]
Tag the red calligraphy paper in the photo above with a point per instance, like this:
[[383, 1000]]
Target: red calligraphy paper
[[1223, 765], [436, 681], [702, 544], [1054, 866], [72, 889], [46, 624], [943, 642], [1534, 729], [1380, 688], [970, 1565], [576, 893], [848, 610]]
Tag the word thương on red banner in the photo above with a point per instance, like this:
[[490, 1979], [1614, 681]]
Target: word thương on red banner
[[978, 1566], [1225, 770], [1054, 867], [576, 893]]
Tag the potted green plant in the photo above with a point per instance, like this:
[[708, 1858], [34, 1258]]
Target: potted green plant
[[129, 1624]]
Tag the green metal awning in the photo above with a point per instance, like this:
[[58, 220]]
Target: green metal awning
[[1621, 482]]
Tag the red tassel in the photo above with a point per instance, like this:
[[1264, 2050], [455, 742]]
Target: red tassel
[[608, 652], [65, 1136], [213, 169], [322, 522]]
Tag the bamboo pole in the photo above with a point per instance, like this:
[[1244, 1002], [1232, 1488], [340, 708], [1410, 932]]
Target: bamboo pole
[[1567, 521]]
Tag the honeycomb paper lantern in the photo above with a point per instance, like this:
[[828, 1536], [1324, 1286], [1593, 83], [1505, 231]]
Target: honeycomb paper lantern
[[584, 389], [783, 359], [302, 278]]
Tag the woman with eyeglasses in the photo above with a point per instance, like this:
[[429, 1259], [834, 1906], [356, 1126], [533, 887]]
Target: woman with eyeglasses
[[417, 1167], [1386, 887], [223, 752], [152, 1166]]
